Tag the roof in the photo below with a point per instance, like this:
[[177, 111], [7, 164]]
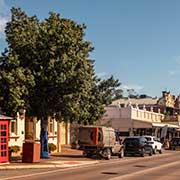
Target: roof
[[5, 117], [132, 101]]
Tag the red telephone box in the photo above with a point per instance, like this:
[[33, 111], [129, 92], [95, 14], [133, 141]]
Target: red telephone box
[[4, 120]]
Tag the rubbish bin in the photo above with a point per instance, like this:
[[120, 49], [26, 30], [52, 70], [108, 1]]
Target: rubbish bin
[[31, 152]]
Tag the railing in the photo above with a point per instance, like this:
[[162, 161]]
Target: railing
[[145, 115]]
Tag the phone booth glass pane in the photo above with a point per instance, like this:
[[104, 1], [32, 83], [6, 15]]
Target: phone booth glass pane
[[3, 141]]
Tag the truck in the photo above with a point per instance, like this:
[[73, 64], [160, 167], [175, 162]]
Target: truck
[[101, 141]]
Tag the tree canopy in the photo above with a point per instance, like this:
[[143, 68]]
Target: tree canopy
[[46, 69]]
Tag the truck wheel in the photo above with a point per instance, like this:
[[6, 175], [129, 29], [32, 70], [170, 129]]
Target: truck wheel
[[88, 155], [107, 154], [121, 155]]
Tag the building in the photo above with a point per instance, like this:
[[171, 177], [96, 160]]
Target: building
[[131, 120], [21, 129]]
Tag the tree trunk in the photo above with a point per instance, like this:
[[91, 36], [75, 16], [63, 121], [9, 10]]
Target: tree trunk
[[44, 138]]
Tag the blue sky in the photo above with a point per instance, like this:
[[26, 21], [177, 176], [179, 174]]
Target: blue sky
[[137, 41]]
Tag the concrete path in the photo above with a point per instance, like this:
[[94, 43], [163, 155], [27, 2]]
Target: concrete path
[[67, 158]]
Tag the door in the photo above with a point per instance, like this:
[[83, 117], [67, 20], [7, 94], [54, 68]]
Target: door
[[3, 141]]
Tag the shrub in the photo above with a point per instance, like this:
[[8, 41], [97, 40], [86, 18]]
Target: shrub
[[52, 147], [14, 149]]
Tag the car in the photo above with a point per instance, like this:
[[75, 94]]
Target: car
[[155, 143], [175, 143], [137, 145]]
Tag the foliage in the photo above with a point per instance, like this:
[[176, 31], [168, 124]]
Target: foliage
[[14, 149], [132, 93], [29, 136], [101, 94], [46, 70], [52, 147]]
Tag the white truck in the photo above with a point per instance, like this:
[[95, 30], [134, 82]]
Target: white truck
[[98, 140]]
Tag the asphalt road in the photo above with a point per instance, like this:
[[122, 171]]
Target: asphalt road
[[164, 166]]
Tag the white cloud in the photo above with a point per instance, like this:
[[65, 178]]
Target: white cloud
[[177, 59], [172, 73], [3, 21], [136, 87], [4, 16], [102, 74]]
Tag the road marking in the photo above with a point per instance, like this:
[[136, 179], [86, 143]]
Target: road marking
[[145, 171], [78, 167]]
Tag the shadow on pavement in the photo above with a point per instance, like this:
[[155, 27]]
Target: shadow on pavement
[[67, 155]]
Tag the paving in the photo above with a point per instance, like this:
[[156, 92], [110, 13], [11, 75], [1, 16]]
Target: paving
[[66, 158]]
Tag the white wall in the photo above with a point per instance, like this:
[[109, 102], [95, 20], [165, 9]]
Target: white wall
[[18, 138], [123, 118]]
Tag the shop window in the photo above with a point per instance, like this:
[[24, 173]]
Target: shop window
[[51, 126], [13, 127]]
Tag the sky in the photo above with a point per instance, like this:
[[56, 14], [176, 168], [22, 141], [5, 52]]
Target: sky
[[136, 41]]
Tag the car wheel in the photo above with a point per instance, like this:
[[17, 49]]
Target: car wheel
[[151, 152], [107, 154], [142, 152], [154, 151], [121, 155], [160, 151]]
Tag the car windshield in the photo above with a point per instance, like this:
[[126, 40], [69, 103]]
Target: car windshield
[[148, 138], [131, 140]]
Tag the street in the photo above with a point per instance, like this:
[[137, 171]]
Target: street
[[156, 167]]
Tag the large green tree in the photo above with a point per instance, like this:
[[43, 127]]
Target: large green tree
[[46, 70], [49, 61]]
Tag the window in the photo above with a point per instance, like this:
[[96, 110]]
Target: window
[[13, 127], [51, 126]]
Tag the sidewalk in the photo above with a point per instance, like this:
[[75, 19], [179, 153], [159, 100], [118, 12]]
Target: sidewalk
[[67, 158]]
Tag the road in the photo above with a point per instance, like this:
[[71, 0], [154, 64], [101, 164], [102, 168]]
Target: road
[[164, 166]]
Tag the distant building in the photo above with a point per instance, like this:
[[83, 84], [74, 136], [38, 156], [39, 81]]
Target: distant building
[[144, 116]]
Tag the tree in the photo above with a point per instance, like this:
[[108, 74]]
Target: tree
[[54, 57], [46, 70], [132, 93]]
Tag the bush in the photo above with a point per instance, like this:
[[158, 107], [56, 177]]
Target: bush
[[14, 149], [52, 147]]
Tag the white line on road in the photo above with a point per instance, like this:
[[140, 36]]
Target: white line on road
[[78, 167], [145, 171]]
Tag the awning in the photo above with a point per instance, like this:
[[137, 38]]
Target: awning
[[172, 126], [165, 124], [144, 124], [158, 124]]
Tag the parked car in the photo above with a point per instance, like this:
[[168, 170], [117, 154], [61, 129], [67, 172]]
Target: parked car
[[137, 145], [98, 140], [155, 143], [175, 143]]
